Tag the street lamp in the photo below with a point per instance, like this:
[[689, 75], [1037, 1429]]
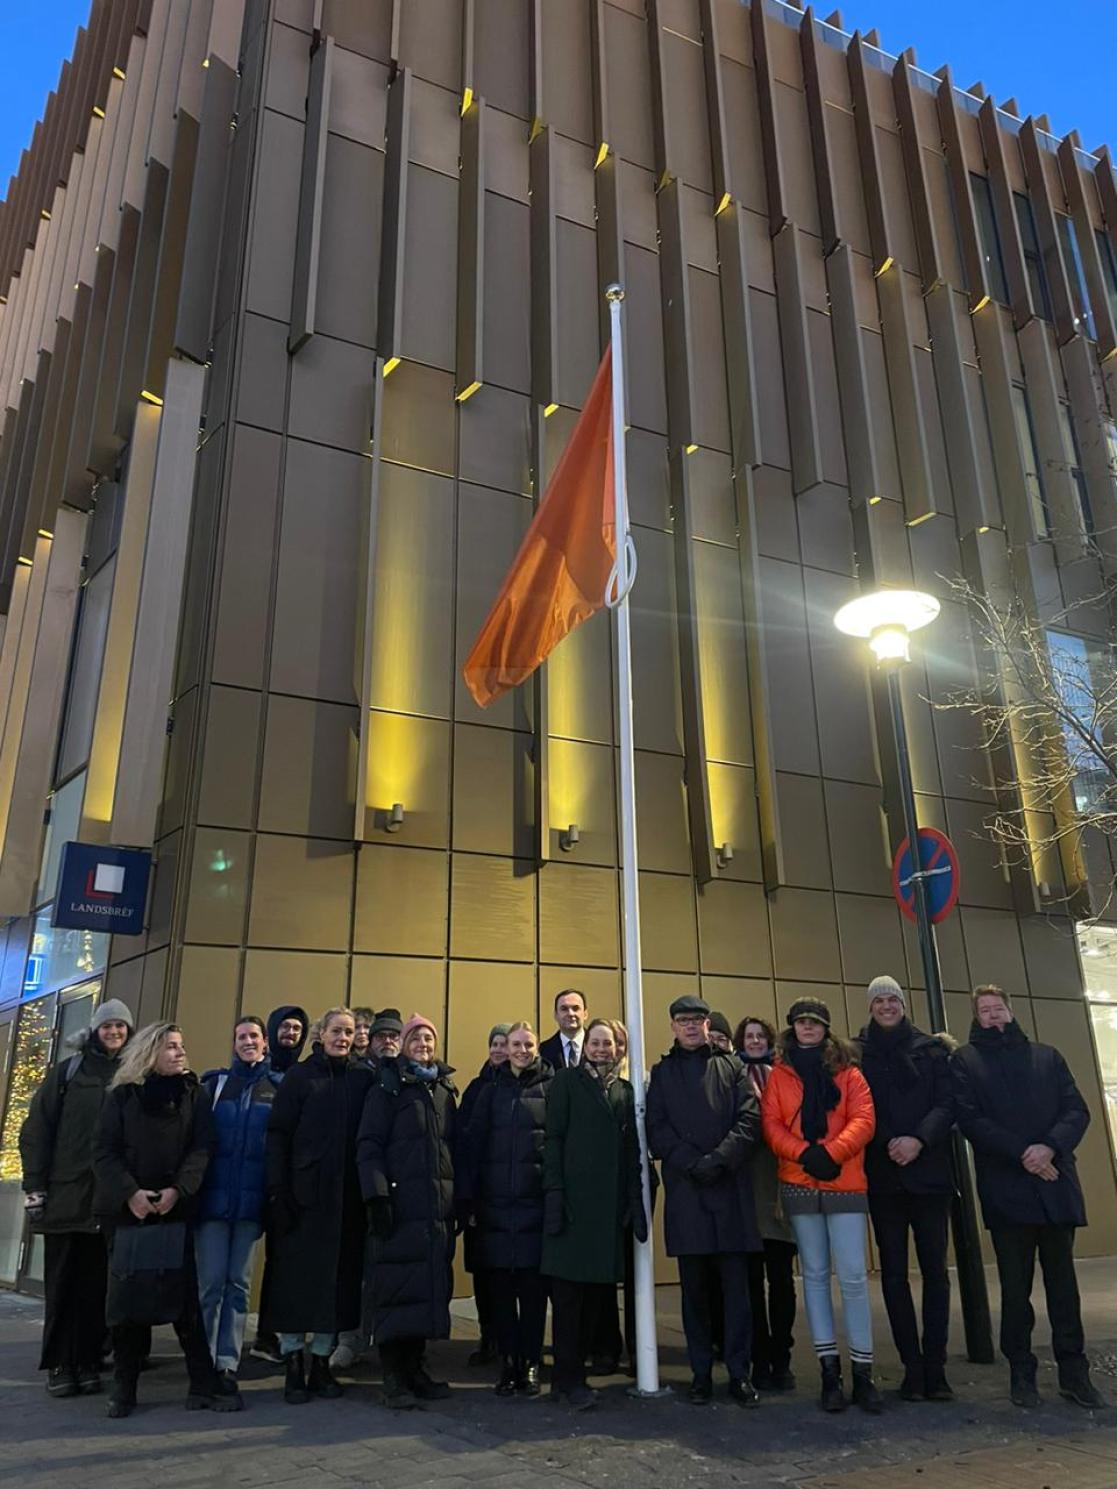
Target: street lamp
[[886, 619]]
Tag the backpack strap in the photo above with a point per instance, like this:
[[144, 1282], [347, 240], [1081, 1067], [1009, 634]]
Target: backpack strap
[[69, 1070]]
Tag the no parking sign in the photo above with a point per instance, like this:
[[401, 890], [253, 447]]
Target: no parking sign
[[939, 863]]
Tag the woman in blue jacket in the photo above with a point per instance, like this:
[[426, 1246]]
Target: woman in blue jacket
[[231, 1213]]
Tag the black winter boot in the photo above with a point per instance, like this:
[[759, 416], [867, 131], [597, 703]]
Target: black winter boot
[[295, 1392], [1022, 1385], [832, 1397], [122, 1395], [322, 1382], [865, 1393], [1075, 1385], [509, 1377], [528, 1382]]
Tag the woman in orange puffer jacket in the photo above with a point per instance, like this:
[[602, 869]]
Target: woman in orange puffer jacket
[[817, 1115]]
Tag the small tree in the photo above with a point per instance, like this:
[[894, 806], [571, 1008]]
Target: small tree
[[1046, 705]]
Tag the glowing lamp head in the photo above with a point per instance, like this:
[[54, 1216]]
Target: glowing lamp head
[[886, 619]]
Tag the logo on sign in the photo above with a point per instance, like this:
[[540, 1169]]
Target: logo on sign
[[103, 889]]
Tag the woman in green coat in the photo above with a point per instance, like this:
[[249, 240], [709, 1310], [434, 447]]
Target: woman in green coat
[[591, 1184]]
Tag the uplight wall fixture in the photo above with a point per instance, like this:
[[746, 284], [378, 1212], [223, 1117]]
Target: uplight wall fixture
[[569, 838], [395, 817]]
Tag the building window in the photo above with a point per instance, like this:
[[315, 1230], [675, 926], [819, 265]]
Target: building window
[[1033, 256], [1097, 948], [1033, 486], [1072, 675], [1108, 269], [990, 240], [1074, 468], [1076, 276]]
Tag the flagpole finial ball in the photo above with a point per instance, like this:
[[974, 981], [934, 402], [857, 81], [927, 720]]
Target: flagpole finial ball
[[615, 292]]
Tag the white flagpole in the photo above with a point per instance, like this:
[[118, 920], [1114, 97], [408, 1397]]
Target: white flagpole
[[620, 583]]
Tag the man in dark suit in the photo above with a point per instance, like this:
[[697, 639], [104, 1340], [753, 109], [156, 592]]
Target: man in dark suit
[[565, 1046]]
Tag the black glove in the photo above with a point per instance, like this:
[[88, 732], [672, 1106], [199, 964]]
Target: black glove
[[463, 1216], [706, 1170], [380, 1221], [283, 1214], [819, 1164], [639, 1221], [554, 1213]]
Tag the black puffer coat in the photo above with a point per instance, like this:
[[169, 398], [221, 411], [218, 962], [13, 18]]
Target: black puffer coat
[[56, 1139], [470, 1096], [157, 1135], [504, 1162], [317, 1232], [909, 1075], [405, 1154], [701, 1102], [1011, 1093]]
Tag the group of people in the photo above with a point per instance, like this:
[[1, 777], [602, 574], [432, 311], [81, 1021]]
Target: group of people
[[358, 1166]]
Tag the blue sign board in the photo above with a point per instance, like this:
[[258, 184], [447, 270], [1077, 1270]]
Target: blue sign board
[[939, 863], [102, 889]]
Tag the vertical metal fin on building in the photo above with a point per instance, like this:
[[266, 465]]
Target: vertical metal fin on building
[[853, 388], [923, 219], [16, 539], [675, 295], [1090, 419], [200, 254], [1107, 194], [661, 126], [103, 446], [829, 207], [540, 698], [975, 506], [1044, 213], [1004, 209], [11, 458], [1074, 184], [769, 131], [869, 158], [907, 405], [312, 188], [740, 361], [77, 488], [715, 105], [164, 309], [366, 611], [134, 359], [394, 232], [469, 359], [536, 80], [544, 278], [973, 260], [993, 333], [1044, 379], [798, 362]]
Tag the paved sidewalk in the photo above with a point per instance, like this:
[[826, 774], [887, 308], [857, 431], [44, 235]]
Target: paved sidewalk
[[476, 1439]]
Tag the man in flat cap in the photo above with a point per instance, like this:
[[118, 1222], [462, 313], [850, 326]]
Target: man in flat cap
[[703, 1124]]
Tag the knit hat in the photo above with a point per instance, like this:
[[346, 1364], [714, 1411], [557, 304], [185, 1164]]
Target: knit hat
[[112, 1010], [416, 1021], [499, 1031], [808, 1008], [886, 987], [719, 1024], [387, 1021]]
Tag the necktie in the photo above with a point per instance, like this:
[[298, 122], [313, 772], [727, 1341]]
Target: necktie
[[571, 1053]]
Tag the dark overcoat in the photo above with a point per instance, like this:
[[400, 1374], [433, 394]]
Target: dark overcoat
[[591, 1155], [1011, 1093], [504, 1162], [913, 1095], [405, 1155], [484, 1077], [316, 1240], [701, 1102], [57, 1136]]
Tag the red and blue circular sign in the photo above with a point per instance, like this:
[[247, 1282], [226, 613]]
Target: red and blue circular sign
[[939, 863]]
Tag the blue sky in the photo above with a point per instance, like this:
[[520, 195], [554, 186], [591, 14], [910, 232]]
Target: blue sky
[[1065, 69]]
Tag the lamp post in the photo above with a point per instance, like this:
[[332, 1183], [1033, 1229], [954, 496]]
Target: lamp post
[[886, 619]]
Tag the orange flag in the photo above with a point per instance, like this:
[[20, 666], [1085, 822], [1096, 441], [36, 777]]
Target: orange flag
[[558, 578]]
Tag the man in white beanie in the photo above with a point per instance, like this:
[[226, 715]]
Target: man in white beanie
[[911, 1179]]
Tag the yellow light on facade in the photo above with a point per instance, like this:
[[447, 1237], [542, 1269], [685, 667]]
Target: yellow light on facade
[[884, 268], [151, 398], [981, 304], [468, 392], [44, 534], [690, 449], [875, 500], [44, 214], [390, 365], [721, 206], [205, 61], [549, 410], [118, 72], [984, 529], [467, 99], [26, 562], [602, 154], [98, 111], [915, 521]]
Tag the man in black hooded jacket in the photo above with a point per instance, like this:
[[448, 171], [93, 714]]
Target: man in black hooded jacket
[[911, 1180], [288, 1027], [1019, 1106]]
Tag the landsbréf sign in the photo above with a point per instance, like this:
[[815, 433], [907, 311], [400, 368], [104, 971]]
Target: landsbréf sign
[[102, 889]]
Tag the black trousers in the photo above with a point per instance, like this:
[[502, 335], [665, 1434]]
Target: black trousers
[[699, 1276], [607, 1343], [130, 1342], [483, 1298], [927, 1218], [1016, 1247], [773, 1306], [519, 1303], [575, 1321], [75, 1276]]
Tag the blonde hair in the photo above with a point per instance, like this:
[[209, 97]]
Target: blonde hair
[[524, 1025], [141, 1052], [321, 1024]]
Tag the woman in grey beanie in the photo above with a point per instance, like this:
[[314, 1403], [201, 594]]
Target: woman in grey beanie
[[56, 1147]]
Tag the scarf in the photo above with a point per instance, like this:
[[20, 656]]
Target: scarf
[[428, 1073], [888, 1053], [820, 1094], [758, 1069], [605, 1071], [995, 1041], [161, 1091]]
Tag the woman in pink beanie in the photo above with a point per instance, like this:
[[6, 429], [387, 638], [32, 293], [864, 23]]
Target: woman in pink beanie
[[404, 1158]]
